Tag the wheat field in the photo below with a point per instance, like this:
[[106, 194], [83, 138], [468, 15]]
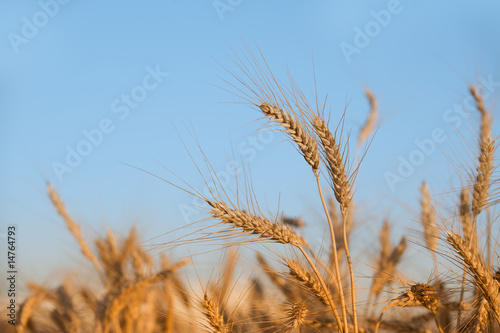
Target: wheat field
[[291, 286]]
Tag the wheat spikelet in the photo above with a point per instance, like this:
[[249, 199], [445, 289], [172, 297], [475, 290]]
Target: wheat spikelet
[[385, 244], [369, 125], [484, 279], [254, 224], [480, 315], [334, 162], [386, 268], [485, 129], [469, 230], [297, 314], [487, 148], [72, 226], [419, 294], [274, 277], [213, 315], [298, 133], [485, 168], [304, 277], [428, 219], [27, 309]]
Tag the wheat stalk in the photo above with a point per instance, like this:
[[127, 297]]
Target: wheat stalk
[[334, 162]]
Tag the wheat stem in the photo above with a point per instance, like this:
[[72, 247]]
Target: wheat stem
[[335, 255]]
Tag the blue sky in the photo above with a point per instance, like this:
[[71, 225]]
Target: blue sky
[[66, 67]]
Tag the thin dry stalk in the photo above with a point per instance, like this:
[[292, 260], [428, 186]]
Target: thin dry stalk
[[72, 226], [470, 236], [342, 190]]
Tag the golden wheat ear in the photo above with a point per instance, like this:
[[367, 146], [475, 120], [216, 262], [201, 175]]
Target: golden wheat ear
[[73, 227], [484, 279]]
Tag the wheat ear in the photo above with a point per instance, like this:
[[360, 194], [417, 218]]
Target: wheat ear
[[72, 226], [304, 277], [484, 279], [342, 190], [371, 121], [297, 314], [299, 133], [428, 220], [267, 230], [213, 315], [253, 224], [486, 157]]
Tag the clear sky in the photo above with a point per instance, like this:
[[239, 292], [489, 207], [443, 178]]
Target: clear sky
[[67, 68]]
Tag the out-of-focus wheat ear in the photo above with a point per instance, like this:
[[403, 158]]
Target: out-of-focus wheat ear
[[385, 272], [275, 278], [421, 294], [428, 219], [371, 121], [213, 315], [469, 230], [26, 310], [485, 129], [334, 162], [480, 315], [385, 244], [72, 226], [296, 316], [294, 222], [230, 264], [305, 278], [484, 279], [297, 131]]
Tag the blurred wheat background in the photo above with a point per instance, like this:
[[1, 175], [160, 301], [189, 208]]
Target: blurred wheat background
[[247, 167]]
